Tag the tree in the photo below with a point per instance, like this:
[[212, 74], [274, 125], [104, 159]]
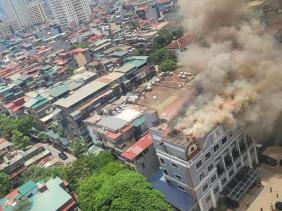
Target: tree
[[178, 33], [43, 137], [77, 146], [23, 205], [5, 184], [121, 190], [162, 54], [168, 65], [163, 39], [19, 140]]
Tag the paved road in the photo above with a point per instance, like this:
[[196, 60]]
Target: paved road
[[55, 153]]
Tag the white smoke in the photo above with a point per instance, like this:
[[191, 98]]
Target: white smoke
[[239, 69]]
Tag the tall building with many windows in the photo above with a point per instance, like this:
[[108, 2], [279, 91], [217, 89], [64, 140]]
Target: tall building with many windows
[[39, 11], [68, 13], [16, 10], [215, 166]]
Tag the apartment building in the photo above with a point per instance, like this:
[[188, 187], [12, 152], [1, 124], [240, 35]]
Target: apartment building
[[69, 13], [39, 11], [16, 10], [218, 165], [74, 109]]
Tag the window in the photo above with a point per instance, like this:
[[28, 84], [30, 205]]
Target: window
[[168, 182], [210, 167], [215, 148], [202, 176], [165, 171], [231, 173], [224, 140], [162, 161], [224, 180], [213, 178], [174, 165], [238, 165], [231, 133], [180, 187], [208, 155], [177, 176], [205, 187], [216, 189], [208, 198], [199, 164]]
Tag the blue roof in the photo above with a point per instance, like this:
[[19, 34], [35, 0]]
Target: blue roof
[[179, 199], [27, 187]]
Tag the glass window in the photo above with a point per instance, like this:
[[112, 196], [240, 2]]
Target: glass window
[[162, 161], [238, 165], [231, 173], [208, 155], [165, 171], [180, 187], [205, 187], [208, 198], [174, 165], [213, 178], [202, 176], [215, 148], [199, 164], [177, 176], [216, 189], [210, 167], [224, 140]]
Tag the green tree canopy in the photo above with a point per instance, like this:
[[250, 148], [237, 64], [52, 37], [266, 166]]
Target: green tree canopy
[[163, 39], [161, 55], [19, 140], [23, 205], [5, 184], [119, 189], [77, 146], [168, 65]]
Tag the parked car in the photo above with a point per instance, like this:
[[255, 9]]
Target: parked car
[[63, 156]]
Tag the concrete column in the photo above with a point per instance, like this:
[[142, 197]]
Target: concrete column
[[201, 205], [249, 158], [214, 203], [255, 152]]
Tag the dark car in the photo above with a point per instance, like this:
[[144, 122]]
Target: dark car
[[63, 156]]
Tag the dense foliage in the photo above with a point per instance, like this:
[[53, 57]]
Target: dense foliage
[[5, 184], [77, 146], [115, 188], [102, 183], [168, 65], [162, 55]]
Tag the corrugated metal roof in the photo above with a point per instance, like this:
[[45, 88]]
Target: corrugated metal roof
[[112, 123]]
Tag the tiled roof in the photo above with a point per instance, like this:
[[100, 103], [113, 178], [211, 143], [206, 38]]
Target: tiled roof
[[182, 42], [138, 147]]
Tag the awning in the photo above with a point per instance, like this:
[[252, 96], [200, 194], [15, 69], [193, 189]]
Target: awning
[[240, 184]]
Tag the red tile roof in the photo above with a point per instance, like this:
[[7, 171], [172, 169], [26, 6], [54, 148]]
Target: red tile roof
[[182, 42], [142, 144], [12, 195], [112, 135]]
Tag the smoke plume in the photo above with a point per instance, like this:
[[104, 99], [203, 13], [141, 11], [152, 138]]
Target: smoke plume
[[238, 67]]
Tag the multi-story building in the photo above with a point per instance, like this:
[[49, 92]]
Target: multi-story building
[[16, 10], [39, 11], [69, 13], [217, 165], [8, 27]]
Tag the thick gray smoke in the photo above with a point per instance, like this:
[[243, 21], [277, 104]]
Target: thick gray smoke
[[239, 69]]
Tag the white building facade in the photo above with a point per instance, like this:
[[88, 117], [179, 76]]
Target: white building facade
[[17, 10], [207, 169], [68, 13]]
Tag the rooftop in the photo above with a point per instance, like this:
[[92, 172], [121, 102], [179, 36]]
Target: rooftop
[[182, 42], [137, 148]]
